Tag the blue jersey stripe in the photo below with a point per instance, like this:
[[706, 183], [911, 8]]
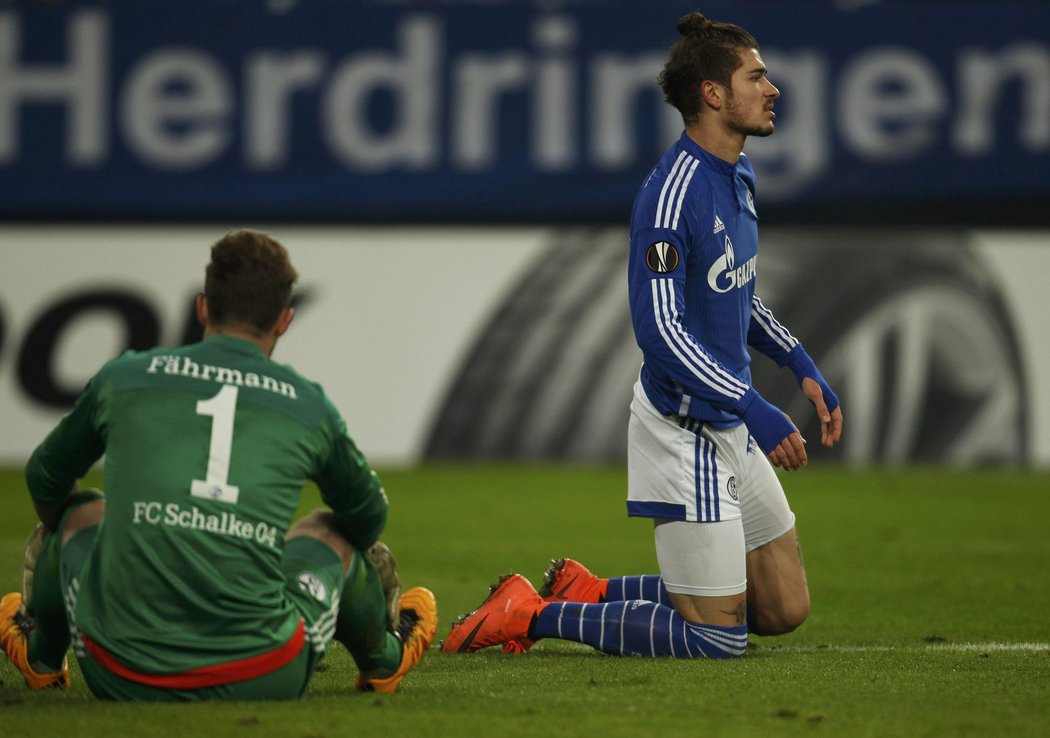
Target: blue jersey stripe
[[699, 478], [714, 481], [654, 509]]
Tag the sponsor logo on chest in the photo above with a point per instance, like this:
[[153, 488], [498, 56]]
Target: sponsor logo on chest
[[724, 275]]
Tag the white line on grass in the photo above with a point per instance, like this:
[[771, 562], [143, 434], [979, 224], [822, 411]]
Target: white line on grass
[[969, 647]]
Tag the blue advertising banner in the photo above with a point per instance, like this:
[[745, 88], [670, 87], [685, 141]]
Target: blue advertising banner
[[506, 111]]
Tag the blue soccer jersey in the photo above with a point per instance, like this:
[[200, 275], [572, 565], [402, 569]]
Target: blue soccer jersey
[[691, 279]]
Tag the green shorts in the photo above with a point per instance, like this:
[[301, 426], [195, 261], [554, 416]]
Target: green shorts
[[313, 574]]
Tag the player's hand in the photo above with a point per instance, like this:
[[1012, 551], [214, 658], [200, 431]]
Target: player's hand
[[830, 422], [790, 453]]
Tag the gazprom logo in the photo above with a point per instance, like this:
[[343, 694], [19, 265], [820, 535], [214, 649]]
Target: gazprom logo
[[724, 275]]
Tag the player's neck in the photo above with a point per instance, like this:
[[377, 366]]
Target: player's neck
[[265, 341], [725, 144]]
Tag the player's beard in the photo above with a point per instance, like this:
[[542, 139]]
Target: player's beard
[[739, 124], [766, 130]]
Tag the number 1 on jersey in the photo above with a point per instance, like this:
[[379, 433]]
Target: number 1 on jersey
[[221, 409]]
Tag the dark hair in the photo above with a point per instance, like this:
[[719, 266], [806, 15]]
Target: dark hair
[[707, 51], [249, 280]]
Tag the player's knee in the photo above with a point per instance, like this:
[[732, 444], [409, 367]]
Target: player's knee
[[312, 524], [780, 619], [320, 524], [85, 511]]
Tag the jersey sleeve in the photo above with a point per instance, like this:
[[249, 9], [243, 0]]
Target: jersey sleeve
[[351, 488], [71, 448], [772, 339], [657, 290], [768, 336]]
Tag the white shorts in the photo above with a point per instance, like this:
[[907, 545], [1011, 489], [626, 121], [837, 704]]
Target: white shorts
[[696, 474], [701, 559]]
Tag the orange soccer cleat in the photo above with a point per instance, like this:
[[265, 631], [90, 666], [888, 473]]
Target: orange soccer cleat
[[567, 580], [13, 629], [502, 619], [416, 628]]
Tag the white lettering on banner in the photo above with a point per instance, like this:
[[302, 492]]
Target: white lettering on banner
[[179, 109], [618, 83], [178, 130], [900, 100], [483, 80], [894, 104], [413, 79], [183, 366], [272, 79], [81, 84], [987, 76], [174, 515]]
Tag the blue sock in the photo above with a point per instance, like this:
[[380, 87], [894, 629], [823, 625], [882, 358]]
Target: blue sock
[[645, 587], [639, 628]]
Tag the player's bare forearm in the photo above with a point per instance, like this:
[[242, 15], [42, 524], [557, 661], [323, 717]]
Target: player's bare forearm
[[830, 421]]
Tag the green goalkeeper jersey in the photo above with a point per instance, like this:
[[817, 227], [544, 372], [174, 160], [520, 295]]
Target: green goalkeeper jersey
[[207, 447]]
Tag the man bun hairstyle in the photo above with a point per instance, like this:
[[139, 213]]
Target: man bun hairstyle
[[693, 24], [248, 280], [708, 50]]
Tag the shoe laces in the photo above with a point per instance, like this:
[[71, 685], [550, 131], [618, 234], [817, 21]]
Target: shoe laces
[[22, 623], [25, 622], [406, 624]]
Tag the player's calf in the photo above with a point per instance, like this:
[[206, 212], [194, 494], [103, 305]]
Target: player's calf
[[382, 559], [777, 591], [777, 618], [639, 628], [31, 553]]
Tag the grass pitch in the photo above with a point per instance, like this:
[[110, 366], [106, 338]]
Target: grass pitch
[[930, 589]]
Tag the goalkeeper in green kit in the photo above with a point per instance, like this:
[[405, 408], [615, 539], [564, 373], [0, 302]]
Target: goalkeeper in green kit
[[188, 580]]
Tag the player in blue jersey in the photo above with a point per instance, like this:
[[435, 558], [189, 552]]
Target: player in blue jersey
[[702, 442]]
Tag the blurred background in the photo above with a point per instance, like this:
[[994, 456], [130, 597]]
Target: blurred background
[[454, 182]]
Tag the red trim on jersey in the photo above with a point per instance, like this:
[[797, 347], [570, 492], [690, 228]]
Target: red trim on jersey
[[205, 676]]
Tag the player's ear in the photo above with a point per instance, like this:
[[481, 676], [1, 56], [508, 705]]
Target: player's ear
[[202, 309], [712, 94], [285, 320]]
